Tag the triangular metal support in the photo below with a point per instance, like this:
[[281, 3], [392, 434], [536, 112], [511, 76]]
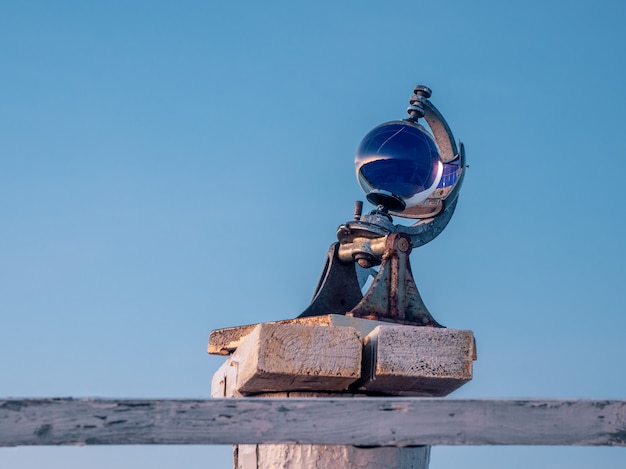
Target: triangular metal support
[[393, 295], [338, 289]]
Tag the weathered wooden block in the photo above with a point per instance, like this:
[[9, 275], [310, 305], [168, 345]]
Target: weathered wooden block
[[224, 382], [292, 357], [225, 341], [416, 361]]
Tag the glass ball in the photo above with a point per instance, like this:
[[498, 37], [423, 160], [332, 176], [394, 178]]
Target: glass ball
[[398, 165]]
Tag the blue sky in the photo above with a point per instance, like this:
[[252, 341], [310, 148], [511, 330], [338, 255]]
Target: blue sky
[[171, 168]]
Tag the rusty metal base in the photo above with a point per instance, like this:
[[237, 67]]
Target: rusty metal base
[[392, 297]]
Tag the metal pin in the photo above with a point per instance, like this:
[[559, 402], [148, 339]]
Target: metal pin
[[358, 210]]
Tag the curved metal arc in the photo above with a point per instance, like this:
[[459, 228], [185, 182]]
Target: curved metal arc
[[424, 232], [434, 205], [428, 229], [441, 131]]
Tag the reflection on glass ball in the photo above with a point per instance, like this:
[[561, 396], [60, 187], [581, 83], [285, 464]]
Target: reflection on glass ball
[[398, 165]]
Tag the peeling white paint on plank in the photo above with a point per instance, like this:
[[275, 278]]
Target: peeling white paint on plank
[[367, 421]]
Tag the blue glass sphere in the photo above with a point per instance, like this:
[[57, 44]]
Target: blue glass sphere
[[398, 165]]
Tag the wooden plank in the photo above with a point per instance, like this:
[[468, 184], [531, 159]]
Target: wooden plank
[[416, 361], [225, 341], [363, 422]]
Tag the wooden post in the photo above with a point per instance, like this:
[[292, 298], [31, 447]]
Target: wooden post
[[335, 356]]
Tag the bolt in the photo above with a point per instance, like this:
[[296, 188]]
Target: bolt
[[415, 109], [403, 245], [358, 210], [365, 260], [423, 91]]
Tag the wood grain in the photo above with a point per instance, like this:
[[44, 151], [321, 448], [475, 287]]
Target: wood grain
[[296, 357], [225, 341], [331, 456], [416, 361], [363, 422]]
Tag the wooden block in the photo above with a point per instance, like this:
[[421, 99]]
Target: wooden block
[[224, 382], [225, 341], [296, 357], [416, 361]]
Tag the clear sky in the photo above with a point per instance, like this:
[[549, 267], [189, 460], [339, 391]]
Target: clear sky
[[169, 168]]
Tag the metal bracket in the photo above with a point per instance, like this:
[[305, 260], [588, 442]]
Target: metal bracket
[[337, 290], [392, 297]]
